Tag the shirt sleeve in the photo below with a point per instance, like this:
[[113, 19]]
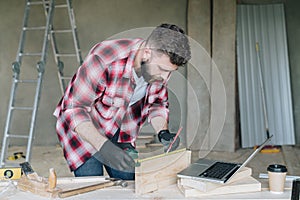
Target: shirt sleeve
[[86, 86]]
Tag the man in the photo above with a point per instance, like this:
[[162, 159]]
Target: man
[[120, 84]]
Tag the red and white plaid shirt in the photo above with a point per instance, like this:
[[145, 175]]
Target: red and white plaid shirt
[[100, 92]]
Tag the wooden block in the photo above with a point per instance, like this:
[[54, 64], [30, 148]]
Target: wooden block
[[206, 186], [70, 183], [160, 171], [248, 184], [83, 179], [37, 186]]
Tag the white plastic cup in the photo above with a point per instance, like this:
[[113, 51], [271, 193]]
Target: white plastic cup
[[277, 174]]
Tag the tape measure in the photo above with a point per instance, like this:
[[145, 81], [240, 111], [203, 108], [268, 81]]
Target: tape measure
[[11, 173], [16, 156]]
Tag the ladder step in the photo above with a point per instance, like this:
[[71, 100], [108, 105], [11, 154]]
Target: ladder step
[[27, 81], [18, 136], [30, 54], [21, 108], [61, 6], [38, 2], [62, 31], [34, 28], [66, 55]]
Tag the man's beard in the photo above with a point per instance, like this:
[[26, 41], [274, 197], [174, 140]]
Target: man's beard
[[146, 74]]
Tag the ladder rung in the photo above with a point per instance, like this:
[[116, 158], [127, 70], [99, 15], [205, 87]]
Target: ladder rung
[[30, 54], [18, 136], [34, 28], [66, 55], [38, 2], [21, 108], [62, 31], [61, 6], [27, 81]]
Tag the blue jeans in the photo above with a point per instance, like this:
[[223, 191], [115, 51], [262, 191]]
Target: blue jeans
[[93, 167]]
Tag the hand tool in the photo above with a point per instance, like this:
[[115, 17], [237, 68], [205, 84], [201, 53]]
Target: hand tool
[[81, 190], [16, 156], [29, 172], [52, 179], [30, 181], [178, 132], [269, 149], [10, 173]]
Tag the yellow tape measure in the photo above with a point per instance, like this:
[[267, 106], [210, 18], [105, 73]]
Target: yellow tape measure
[[16, 156]]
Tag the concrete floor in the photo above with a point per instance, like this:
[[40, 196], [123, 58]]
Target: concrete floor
[[45, 157]]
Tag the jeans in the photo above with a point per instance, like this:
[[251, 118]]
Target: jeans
[[93, 167]]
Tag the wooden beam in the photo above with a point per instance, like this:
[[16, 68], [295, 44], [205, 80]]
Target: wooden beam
[[205, 186], [160, 171], [248, 184]]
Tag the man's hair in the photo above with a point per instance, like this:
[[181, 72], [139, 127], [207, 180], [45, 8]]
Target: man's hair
[[171, 40]]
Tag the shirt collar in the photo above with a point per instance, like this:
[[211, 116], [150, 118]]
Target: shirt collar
[[130, 61]]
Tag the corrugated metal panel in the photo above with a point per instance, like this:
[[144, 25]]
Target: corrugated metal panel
[[265, 25]]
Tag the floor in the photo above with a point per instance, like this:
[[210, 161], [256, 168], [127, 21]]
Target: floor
[[45, 157]]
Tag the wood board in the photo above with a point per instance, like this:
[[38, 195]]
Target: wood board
[[248, 184], [37, 186], [206, 186], [160, 171]]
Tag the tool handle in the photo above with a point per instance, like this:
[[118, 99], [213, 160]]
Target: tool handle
[[257, 46], [52, 179], [81, 190]]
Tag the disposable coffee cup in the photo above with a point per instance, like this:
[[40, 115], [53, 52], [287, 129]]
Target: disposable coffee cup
[[277, 174]]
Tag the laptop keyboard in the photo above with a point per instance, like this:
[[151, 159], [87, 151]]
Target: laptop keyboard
[[218, 170]]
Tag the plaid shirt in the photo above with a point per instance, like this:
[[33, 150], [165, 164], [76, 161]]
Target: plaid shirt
[[100, 92]]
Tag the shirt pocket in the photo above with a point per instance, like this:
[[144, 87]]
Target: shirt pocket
[[108, 106]]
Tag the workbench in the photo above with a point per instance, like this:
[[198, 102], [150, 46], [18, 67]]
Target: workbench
[[170, 192]]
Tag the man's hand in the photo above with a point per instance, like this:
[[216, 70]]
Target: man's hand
[[114, 157], [166, 138]]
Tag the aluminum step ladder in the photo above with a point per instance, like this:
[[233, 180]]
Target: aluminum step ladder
[[49, 34], [14, 107], [69, 30]]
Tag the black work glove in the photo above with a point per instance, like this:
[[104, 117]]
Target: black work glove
[[114, 157], [166, 138]]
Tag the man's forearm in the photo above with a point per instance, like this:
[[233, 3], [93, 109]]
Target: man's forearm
[[159, 123], [88, 132]]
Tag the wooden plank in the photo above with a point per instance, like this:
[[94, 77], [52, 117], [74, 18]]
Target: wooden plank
[[143, 140], [38, 187], [83, 179], [70, 183], [160, 171], [206, 186], [81, 190], [248, 184]]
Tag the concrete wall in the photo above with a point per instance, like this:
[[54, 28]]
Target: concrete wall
[[96, 20], [212, 75], [223, 54]]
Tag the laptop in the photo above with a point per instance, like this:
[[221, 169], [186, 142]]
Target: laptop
[[216, 171]]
